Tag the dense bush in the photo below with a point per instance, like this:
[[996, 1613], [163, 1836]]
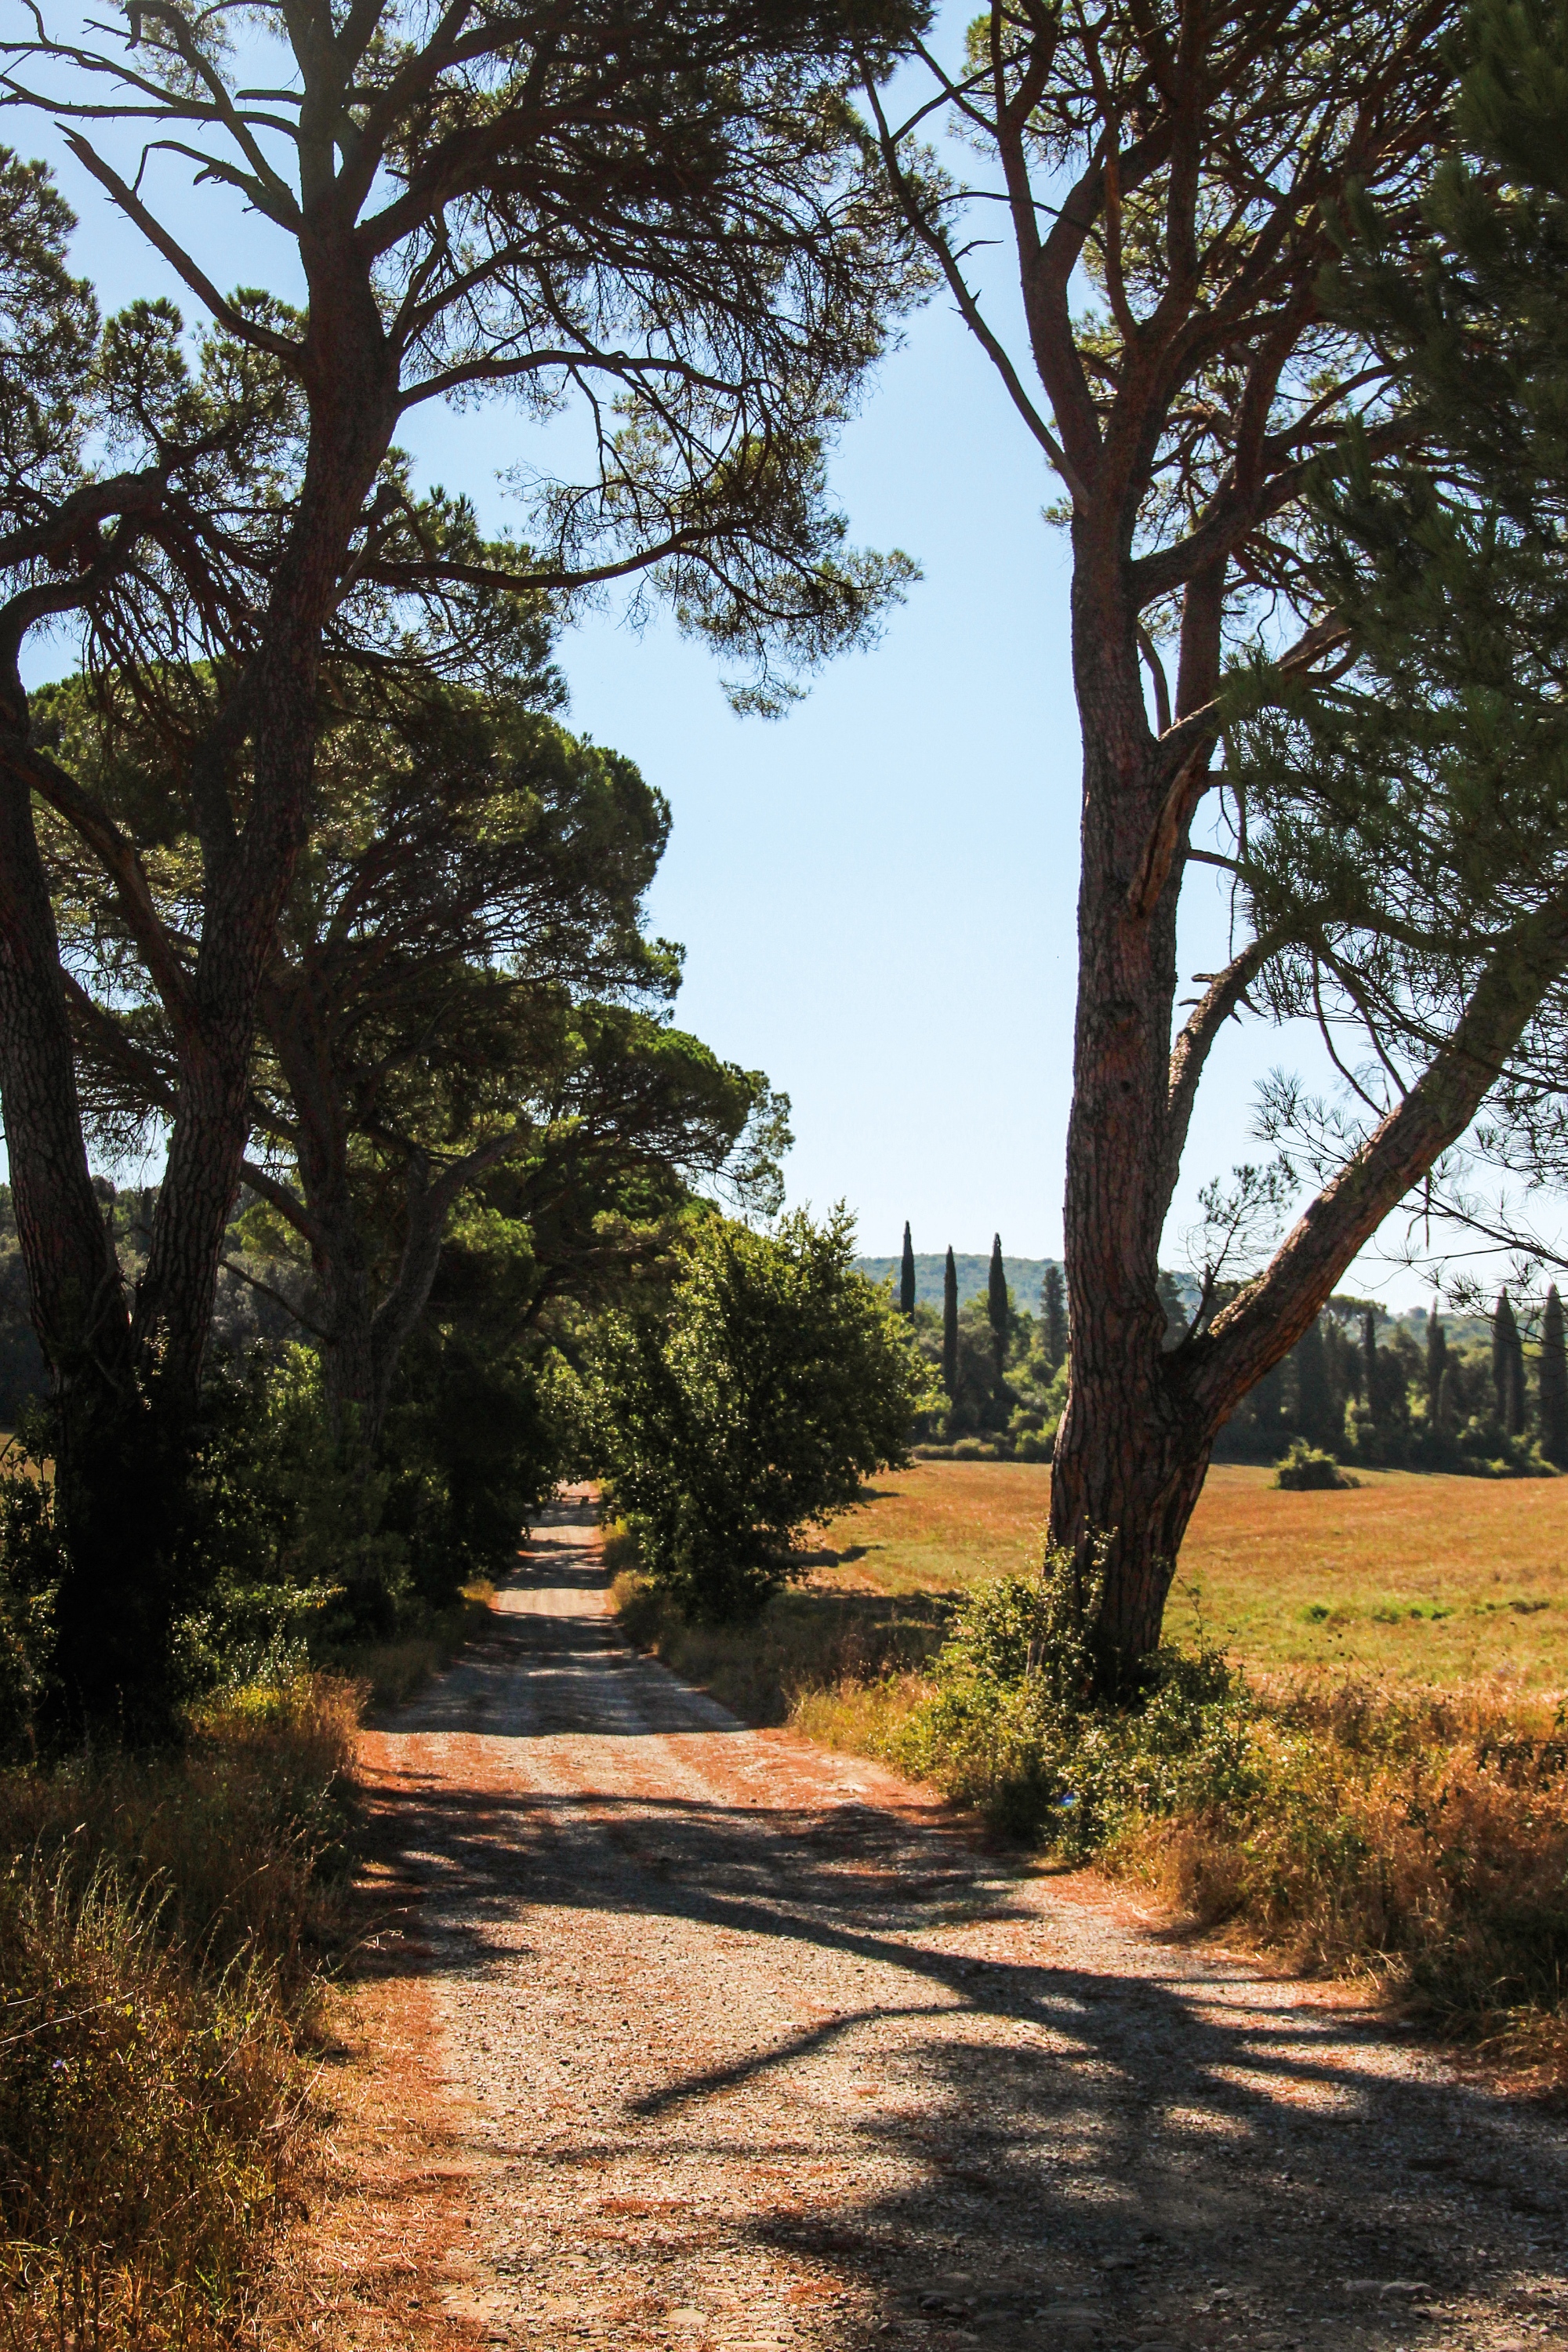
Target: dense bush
[[476, 1437], [288, 1549], [1347, 1823], [1009, 1724], [751, 1399], [1307, 1469]]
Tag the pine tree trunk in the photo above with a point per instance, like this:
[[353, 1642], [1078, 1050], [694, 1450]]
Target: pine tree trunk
[[1129, 1462], [114, 1608], [1134, 1441]]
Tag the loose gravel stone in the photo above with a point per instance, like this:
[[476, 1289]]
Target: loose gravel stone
[[747, 2045]]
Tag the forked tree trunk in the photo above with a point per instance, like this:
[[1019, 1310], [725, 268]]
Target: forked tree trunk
[[1133, 1444], [1130, 1457]]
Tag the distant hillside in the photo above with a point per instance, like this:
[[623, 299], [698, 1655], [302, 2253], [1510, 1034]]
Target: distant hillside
[[1025, 1276]]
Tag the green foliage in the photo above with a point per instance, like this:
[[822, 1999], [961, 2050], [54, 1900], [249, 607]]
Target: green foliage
[[750, 1399], [476, 1441], [1306, 1469], [1012, 1724], [949, 1325], [998, 1306], [1554, 1382], [30, 1568]]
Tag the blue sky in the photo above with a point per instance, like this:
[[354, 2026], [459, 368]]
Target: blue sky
[[876, 893]]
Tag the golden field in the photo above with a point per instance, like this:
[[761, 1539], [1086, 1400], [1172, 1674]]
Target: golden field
[[1431, 1578]]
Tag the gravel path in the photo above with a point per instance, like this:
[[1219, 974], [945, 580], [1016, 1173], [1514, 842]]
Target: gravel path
[[747, 2046]]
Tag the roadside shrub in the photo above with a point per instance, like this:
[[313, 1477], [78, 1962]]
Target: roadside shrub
[[1010, 1726], [621, 1549], [753, 1399]]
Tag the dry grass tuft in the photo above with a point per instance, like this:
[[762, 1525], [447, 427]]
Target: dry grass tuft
[[161, 1928], [392, 1671], [1421, 1839]]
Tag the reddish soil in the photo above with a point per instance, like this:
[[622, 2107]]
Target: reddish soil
[[703, 2036]]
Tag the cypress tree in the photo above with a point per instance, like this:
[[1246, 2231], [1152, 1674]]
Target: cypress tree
[[1499, 1355], [1448, 1403], [1369, 1372], [1054, 1316], [949, 1325], [1508, 1368], [1314, 1396], [996, 1306], [907, 1274], [1436, 1361], [1554, 1382]]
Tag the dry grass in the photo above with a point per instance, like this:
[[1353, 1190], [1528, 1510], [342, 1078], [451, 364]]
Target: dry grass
[[1436, 1579], [804, 1641], [392, 1671], [1418, 1839], [161, 1928]]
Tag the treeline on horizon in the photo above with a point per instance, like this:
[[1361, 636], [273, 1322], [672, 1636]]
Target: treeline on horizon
[[1358, 1385]]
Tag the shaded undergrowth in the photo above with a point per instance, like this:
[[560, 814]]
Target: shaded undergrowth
[[802, 1643]]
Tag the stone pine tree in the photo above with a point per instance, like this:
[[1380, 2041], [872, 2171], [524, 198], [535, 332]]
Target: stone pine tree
[[1054, 1316], [1508, 1368], [907, 1274], [1436, 1361], [996, 1306], [1199, 169], [660, 220], [1554, 1399], [950, 1325]]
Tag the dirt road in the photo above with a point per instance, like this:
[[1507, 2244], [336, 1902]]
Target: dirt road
[[745, 2046]]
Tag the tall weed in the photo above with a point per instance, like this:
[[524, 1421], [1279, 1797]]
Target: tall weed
[[162, 1923]]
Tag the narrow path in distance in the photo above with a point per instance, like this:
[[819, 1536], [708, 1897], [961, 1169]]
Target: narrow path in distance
[[747, 2045]]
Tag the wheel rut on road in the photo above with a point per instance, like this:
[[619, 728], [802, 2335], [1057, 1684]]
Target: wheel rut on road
[[746, 2044]]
